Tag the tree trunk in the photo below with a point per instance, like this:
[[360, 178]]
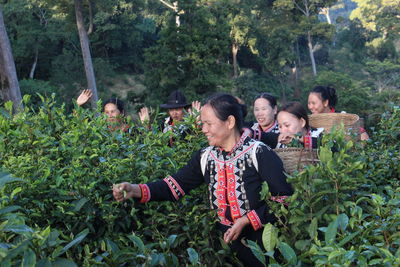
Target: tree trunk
[[177, 18], [8, 74], [33, 68], [235, 49], [87, 58], [325, 11], [311, 51]]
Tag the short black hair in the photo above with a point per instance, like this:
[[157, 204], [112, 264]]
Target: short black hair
[[119, 103], [225, 105], [327, 93], [267, 96]]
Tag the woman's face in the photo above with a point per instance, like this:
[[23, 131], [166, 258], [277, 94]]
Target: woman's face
[[112, 112], [289, 123], [263, 112], [316, 104], [216, 130], [176, 114]]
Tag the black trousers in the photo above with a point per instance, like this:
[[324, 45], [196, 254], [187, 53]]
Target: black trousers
[[244, 253]]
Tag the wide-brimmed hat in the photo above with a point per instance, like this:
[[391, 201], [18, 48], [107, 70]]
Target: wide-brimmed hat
[[175, 100]]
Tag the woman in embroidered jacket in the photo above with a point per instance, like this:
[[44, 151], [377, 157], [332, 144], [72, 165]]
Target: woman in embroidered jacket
[[293, 120], [234, 173], [266, 128]]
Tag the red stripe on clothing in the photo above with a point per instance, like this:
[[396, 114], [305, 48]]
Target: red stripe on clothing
[[145, 193], [280, 199], [231, 188], [307, 140], [254, 220]]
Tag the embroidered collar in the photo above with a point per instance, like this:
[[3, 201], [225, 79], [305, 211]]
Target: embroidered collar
[[269, 129], [238, 144]]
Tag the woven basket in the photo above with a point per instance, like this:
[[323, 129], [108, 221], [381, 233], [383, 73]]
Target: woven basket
[[329, 120], [295, 159]]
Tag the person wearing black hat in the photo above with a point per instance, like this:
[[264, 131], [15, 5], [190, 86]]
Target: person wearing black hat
[[176, 105]]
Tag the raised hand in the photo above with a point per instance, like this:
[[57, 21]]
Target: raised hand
[[84, 97], [196, 105], [144, 114]]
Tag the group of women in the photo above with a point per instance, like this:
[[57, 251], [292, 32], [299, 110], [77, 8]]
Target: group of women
[[237, 162]]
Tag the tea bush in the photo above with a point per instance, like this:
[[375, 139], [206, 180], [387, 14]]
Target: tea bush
[[68, 163], [345, 210]]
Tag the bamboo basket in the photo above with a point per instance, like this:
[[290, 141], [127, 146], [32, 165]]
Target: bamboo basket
[[329, 120], [295, 159]]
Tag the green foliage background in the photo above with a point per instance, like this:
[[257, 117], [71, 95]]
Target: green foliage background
[[60, 208]]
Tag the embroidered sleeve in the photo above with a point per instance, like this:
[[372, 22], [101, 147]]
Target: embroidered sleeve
[[174, 187], [254, 220]]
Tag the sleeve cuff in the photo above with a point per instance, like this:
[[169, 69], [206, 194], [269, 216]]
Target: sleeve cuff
[[175, 188], [145, 193], [254, 220]]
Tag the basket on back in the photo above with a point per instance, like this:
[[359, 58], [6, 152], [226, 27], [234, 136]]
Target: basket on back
[[329, 120], [295, 158]]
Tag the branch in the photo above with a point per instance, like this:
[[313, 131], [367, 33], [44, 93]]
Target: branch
[[168, 5], [90, 30], [299, 8]]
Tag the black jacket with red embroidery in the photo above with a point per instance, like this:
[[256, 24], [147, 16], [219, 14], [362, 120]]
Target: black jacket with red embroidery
[[234, 183]]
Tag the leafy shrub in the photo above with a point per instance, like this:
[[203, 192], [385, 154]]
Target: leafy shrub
[[70, 161], [344, 211]]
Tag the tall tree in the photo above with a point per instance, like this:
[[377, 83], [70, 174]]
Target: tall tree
[[192, 59], [240, 21], [311, 26], [381, 18], [8, 74], [87, 58]]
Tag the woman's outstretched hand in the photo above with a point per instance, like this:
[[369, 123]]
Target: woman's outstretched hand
[[84, 97], [124, 191], [234, 232]]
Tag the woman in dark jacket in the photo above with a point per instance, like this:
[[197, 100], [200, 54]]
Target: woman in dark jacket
[[323, 99], [294, 127], [234, 166]]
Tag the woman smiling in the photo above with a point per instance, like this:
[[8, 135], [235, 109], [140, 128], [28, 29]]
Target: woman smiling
[[234, 166]]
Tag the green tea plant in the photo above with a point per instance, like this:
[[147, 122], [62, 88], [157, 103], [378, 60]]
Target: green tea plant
[[345, 209], [70, 161]]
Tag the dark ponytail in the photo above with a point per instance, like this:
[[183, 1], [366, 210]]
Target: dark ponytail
[[326, 93]]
